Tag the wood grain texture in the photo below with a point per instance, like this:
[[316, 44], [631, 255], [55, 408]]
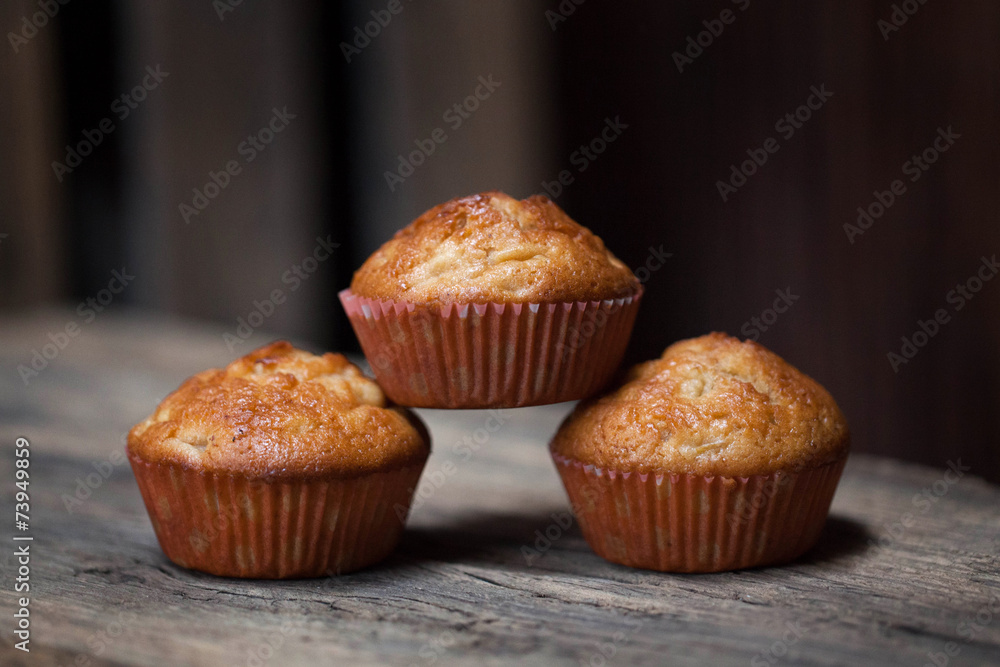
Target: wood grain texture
[[656, 188], [467, 585], [32, 200]]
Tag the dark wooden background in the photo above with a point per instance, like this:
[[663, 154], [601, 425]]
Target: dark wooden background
[[784, 228], [654, 186]]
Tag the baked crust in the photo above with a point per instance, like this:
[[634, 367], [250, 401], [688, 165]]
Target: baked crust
[[281, 412], [709, 406], [491, 247]]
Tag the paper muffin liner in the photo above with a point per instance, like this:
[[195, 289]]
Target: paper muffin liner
[[234, 526], [690, 523], [492, 355]]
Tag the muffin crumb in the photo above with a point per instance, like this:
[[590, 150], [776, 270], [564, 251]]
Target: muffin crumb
[[709, 406], [491, 247], [280, 411]]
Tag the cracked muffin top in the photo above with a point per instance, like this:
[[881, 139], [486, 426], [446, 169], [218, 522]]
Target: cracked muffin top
[[277, 412], [493, 248], [709, 406]]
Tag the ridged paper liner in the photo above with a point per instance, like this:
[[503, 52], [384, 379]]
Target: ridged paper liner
[[491, 355], [689, 523], [234, 526]]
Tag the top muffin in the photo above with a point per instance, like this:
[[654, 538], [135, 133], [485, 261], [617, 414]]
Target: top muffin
[[709, 406], [280, 411], [493, 248]]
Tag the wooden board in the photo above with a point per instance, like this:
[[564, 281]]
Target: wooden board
[[475, 580]]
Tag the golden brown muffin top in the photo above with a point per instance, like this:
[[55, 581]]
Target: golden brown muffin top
[[709, 406], [280, 412], [493, 248]]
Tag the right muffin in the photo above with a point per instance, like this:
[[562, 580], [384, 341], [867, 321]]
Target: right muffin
[[717, 456]]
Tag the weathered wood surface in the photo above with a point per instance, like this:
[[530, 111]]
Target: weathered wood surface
[[467, 584]]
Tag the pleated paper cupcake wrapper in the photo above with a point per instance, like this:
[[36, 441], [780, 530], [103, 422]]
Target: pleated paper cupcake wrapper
[[690, 523], [491, 355], [233, 526]]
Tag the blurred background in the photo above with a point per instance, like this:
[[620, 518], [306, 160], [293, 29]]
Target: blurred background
[[219, 151]]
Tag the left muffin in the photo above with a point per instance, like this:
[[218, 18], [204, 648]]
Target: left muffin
[[284, 464]]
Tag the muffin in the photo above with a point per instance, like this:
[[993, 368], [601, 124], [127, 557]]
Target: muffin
[[719, 455], [486, 301], [283, 464]]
